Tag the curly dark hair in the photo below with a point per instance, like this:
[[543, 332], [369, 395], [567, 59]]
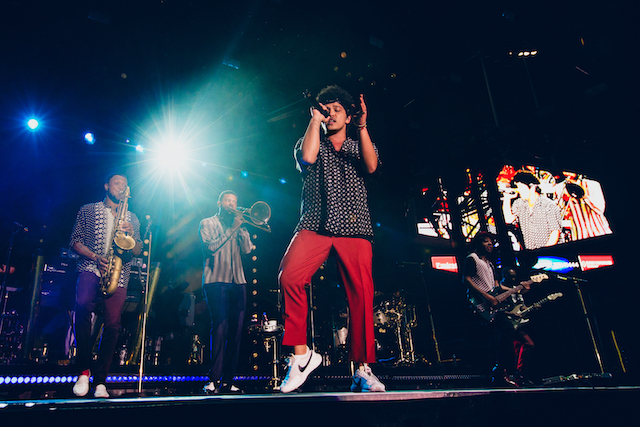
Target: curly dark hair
[[476, 243], [526, 178], [335, 93]]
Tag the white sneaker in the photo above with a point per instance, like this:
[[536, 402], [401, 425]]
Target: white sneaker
[[299, 369], [210, 387], [364, 381], [101, 392], [81, 387]]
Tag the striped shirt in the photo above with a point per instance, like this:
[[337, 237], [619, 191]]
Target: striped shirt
[[221, 250]]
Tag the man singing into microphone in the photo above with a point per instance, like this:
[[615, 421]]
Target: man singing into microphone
[[225, 288], [335, 219]]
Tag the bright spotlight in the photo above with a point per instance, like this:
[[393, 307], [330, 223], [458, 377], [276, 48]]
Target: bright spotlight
[[244, 174], [139, 149], [172, 156], [89, 138], [32, 124], [283, 181]]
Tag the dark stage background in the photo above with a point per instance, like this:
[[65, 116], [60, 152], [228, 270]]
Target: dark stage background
[[221, 84]]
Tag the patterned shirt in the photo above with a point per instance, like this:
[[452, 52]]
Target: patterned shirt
[[92, 228], [480, 272], [334, 194], [222, 260], [537, 223]]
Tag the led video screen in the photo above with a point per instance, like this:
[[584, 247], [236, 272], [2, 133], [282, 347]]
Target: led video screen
[[545, 209]]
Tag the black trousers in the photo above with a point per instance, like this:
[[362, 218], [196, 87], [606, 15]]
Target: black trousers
[[87, 298], [227, 304]]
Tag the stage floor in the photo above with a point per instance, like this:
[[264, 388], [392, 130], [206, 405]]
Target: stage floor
[[567, 406]]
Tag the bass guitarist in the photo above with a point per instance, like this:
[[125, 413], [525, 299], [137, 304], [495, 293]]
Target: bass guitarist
[[480, 278]]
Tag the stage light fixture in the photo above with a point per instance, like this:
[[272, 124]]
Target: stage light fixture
[[525, 53], [89, 138], [283, 181], [244, 174], [32, 124], [139, 148]]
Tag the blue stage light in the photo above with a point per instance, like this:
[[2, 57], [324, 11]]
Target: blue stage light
[[89, 138], [283, 181], [244, 174], [1, 380], [139, 149], [32, 124]]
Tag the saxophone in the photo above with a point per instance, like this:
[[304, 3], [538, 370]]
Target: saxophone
[[121, 243]]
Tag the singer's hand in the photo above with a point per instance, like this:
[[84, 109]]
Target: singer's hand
[[317, 115], [509, 194], [362, 118]]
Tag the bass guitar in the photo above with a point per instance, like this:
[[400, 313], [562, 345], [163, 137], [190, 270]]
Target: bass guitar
[[486, 311], [519, 315]]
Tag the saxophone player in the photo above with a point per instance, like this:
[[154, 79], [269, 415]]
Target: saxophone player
[[91, 239]]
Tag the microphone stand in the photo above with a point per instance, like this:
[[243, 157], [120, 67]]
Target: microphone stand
[[148, 291], [592, 336], [4, 293], [429, 312]]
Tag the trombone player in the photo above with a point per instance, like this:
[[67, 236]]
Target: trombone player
[[92, 239], [224, 285]]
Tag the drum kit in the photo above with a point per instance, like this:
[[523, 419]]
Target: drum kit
[[394, 322]]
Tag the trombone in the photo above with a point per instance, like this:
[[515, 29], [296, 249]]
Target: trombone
[[257, 215]]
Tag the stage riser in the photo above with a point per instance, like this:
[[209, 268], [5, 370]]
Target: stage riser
[[556, 407]]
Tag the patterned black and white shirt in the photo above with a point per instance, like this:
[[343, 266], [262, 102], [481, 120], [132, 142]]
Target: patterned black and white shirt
[[480, 271], [334, 192], [92, 228], [537, 223]]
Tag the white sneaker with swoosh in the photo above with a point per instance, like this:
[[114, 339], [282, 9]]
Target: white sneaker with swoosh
[[299, 369]]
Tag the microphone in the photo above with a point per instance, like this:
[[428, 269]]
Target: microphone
[[315, 104], [20, 227]]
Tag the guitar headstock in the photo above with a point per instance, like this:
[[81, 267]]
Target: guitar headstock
[[554, 296], [537, 278]]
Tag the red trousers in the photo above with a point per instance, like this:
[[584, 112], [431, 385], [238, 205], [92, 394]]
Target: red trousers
[[304, 256]]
